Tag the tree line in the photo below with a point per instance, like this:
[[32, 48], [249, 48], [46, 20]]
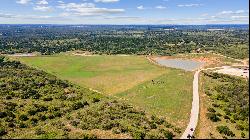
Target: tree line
[[48, 40]]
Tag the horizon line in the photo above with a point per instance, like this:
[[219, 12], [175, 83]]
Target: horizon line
[[119, 24]]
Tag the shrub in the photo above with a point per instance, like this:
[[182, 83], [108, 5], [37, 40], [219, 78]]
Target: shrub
[[11, 124], [232, 121], [43, 117], [23, 117], [36, 96], [41, 108], [39, 131], [226, 117], [167, 125], [236, 117], [215, 105], [116, 130], [177, 130], [8, 97], [79, 105], [168, 134], [153, 125], [218, 114], [225, 130], [10, 106], [138, 134], [208, 93], [89, 136], [10, 114], [2, 131], [3, 114], [154, 135], [32, 112], [239, 127], [57, 114], [51, 116], [22, 125], [211, 110], [243, 135], [2, 59], [95, 100], [75, 122], [213, 117], [34, 121], [47, 99]]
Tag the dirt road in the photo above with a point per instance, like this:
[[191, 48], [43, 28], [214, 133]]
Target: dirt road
[[194, 116]]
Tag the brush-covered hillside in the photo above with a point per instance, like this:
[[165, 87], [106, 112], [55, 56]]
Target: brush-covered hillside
[[34, 104]]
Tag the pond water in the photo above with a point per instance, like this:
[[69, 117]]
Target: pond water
[[188, 65]]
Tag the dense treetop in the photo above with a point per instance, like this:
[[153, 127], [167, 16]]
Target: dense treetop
[[230, 40]]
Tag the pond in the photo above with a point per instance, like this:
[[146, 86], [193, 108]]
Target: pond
[[188, 65]]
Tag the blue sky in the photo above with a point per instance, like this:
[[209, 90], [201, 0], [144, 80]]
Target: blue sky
[[124, 11]]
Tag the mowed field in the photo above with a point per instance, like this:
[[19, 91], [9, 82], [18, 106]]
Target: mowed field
[[161, 91]]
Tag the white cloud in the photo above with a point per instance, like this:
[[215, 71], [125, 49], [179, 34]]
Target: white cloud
[[87, 9], [23, 1], [141, 7], [65, 14], [60, 1], [233, 12], [19, 16], [107, 1], [123, 18], [240, 17], [4, 15], [42, 8], [205, 14], [42, 2], [189, 5], [160, 7], [225, 12], [240, 11], [67, 19]]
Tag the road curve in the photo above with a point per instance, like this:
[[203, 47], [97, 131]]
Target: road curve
[[194, 116]]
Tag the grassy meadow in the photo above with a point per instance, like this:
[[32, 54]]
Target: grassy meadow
[[169, 95], [165, 92], [107, 74]]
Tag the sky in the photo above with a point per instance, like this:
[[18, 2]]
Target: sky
[[124, 12]]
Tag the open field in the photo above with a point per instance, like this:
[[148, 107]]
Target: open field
[[169, 95], [107, 74], [161, 91]]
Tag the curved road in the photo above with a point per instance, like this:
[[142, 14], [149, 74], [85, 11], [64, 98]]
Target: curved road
[[195, 108]]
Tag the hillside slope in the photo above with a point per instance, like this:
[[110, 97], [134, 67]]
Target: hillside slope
[[35, 104]]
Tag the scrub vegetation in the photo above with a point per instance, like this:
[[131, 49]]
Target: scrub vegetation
[[35, 104], [226, 101]]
